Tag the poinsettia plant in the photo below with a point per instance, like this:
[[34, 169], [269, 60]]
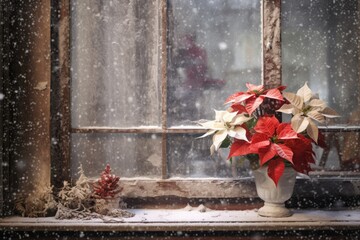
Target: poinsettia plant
[[249, 127]]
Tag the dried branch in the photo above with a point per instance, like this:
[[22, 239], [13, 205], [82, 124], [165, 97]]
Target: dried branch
[[78, 196], [39, 203]]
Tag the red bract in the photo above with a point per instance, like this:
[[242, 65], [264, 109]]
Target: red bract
[[238, 108], [269, 142], [255, 96], [269, 139], [275, 169], [107, 185], [303, 153], [240, 148]]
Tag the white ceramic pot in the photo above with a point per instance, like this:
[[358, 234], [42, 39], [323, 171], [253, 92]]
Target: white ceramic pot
[[274, 197]]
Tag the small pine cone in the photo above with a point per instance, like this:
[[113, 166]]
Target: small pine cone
[[107, 185]]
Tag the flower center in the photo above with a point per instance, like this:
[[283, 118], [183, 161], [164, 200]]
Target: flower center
[[306, 109], [274, 139], [228, 126], [257, 92]]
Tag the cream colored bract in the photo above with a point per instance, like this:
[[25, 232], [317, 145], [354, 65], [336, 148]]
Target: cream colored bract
[[306, 107], [225, 124]]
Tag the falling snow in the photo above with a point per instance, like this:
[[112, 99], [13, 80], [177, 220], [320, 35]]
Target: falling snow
[[135, 101]]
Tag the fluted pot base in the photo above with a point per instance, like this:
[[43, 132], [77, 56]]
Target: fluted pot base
[[276, 210], [274, 196]]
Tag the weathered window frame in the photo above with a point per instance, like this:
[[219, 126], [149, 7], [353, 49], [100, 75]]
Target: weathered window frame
[[186, 188]]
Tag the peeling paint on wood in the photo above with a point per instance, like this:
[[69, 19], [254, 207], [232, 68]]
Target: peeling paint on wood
[[272, 43], [192, 188], [41, 86]]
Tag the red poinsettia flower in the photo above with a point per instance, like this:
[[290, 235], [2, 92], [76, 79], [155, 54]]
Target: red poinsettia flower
[[270, 137], [254, 96], [269, 142]]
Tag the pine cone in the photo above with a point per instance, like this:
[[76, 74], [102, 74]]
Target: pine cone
[[107, 185]]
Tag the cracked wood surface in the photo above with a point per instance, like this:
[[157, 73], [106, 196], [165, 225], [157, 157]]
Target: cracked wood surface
[[272, 43]]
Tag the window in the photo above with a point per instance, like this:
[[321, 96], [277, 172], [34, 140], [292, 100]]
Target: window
[[119, 112], [129, 78], [142, 73], [116, 87]]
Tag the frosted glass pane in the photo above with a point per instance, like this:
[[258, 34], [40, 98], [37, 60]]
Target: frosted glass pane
[[190, 157], [214, 48], [114, 63], [129, 155], [341, 154], [320, 41]]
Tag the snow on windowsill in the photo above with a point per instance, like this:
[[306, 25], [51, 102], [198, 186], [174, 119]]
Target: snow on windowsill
[[193, 219]]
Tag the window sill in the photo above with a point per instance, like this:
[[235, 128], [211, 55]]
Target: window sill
[[157, 220]]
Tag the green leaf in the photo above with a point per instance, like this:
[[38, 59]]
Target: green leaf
[[251, 123], [226, 143]]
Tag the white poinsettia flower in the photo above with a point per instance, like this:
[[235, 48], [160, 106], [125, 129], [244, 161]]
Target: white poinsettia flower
[[225, 124], [306, 107]]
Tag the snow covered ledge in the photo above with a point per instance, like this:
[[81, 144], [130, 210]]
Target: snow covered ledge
[[193, 219]]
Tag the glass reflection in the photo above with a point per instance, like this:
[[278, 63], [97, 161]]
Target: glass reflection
[[190, 157], [214, 47], [129, 155], [114, 63], [320, 41]]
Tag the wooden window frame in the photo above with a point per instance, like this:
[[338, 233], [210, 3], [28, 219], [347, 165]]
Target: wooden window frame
[[185, 188]]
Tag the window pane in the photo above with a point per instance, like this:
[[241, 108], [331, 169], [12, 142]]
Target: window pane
[[190, 157], [341, 154], [129, 155], [114, 62], [214, 49], [321, 46]]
